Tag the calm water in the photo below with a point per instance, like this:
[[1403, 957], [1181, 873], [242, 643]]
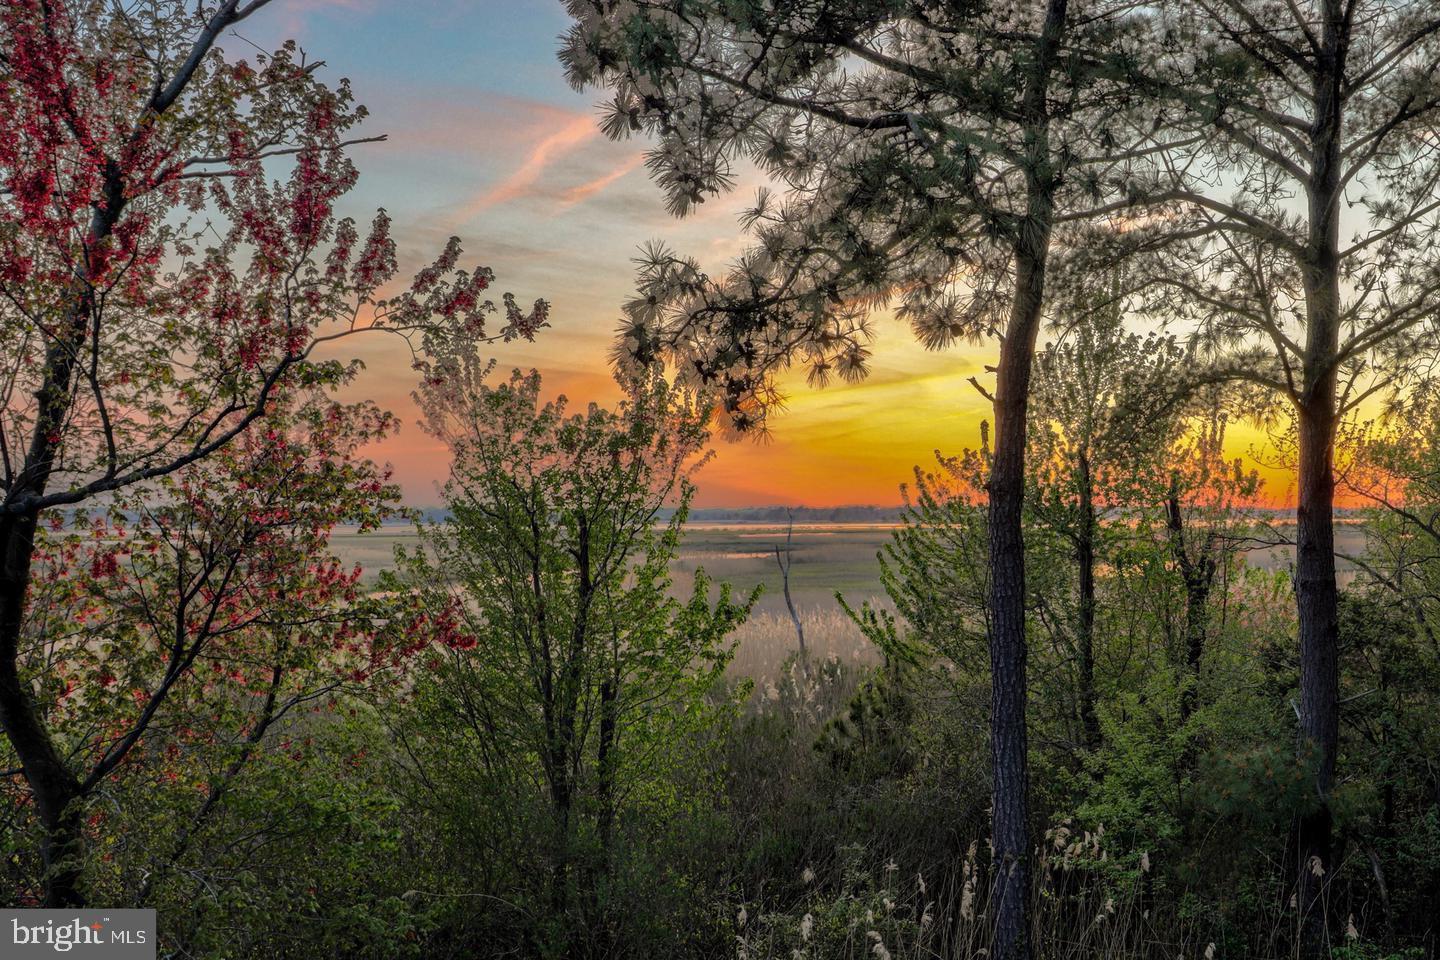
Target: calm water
[[826, 557]]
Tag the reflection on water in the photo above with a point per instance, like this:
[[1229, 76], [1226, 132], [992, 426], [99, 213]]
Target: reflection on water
[[827, 556]]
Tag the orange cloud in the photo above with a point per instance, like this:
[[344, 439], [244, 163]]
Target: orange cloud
[[589, 189], [550, 148]]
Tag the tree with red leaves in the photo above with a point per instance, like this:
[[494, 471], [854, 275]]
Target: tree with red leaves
[[170, 264], [189, 621]]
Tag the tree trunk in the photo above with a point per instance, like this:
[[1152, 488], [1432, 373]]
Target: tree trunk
[[1197, 623], [1009, 755], [51, 783], [1316, 595], [56, 790], [600, 923], [1010, 776], [53, 786], [564, 743], [560, 802], [1085, 638], [1316, 600], [784, 564], [1197, 571], [605, 769], [794, 615]]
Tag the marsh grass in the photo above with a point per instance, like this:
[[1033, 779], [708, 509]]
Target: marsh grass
[[850, 859], [868, 907], [766, 643]]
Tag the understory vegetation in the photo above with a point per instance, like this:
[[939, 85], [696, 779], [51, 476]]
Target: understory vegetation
[[563, 759], [1077, 724]]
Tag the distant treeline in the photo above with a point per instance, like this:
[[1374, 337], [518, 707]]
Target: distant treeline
[[864, 513], [856, 513]]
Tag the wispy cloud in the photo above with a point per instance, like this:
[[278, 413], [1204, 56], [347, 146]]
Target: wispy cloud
[[591, 187], [554, 146]]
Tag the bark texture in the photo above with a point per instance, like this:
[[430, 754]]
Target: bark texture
[[1010, 801], [1316, 595]]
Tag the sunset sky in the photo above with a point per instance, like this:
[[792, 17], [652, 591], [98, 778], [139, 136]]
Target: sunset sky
[[489, 143]]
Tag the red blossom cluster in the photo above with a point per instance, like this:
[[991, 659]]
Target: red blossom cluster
[[180, 241]]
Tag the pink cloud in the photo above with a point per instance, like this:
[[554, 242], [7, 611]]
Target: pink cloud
[[588, 189], [474, 127], [554, 146]]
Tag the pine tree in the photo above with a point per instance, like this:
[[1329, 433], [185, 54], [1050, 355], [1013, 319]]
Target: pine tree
[[1318, 122], [927, 157]]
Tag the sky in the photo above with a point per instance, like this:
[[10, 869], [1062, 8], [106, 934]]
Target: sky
[[488, 142]]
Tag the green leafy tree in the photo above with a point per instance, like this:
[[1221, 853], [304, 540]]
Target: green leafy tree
[[1208, 518], [553, 573], [1104, 410], [1394, 468]]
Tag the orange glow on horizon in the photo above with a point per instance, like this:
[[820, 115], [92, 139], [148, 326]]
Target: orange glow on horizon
[[843, 445], [558, 211]]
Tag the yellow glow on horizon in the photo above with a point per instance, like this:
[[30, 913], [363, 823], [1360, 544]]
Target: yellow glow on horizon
[[840, 445]]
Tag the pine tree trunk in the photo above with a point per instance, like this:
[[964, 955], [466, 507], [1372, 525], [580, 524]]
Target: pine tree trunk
[[1010, 799], [1316, 600], [1009, 754], [1316, 594]]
